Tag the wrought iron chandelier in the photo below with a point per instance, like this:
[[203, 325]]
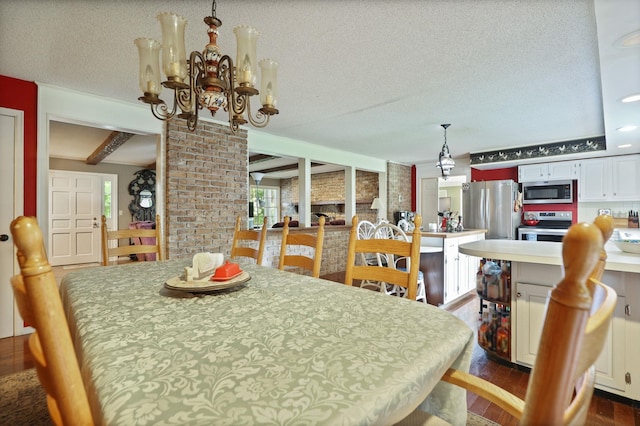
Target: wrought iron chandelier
[[209, 79], [445, 162]]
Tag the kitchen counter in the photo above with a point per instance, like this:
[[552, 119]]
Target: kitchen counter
[[464, 233], [536, 266], [545, 253]]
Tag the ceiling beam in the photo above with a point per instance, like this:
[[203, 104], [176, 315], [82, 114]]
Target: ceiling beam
[[110, 144], [293, 166], [256, 158]]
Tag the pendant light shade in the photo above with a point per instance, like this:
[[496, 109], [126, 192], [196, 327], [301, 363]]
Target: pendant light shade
[[257, 177]]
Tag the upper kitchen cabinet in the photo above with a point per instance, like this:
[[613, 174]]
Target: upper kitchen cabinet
[[609, 179], [560, 170]]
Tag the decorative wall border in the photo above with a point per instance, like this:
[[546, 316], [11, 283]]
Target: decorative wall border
[[540, 151]]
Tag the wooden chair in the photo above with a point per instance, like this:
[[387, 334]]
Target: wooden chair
[[250, 236], [40, 305], [578, 315], [302, 240], [141, 234], [407, 279]]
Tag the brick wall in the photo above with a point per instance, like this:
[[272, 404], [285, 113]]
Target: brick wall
[[334, 249], [329, 187], [398, 188], [206, 187], [207, 178]]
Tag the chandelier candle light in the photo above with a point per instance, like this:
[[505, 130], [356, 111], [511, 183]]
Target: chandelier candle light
[[445, 162], [209, 79]]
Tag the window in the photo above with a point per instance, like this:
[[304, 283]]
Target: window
[[266, 202], [107, 198]]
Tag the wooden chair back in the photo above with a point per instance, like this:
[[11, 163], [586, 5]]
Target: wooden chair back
[[40, 305], [301, 240], [128, 234], [576, 325], [244, 236], [390, 248]]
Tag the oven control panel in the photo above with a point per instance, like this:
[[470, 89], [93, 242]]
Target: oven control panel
[[563, 216]]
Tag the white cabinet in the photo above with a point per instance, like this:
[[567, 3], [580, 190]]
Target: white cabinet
[[530, 310], [533, 173], [609, 179], [451, 288], [563, 170], [560, 170], [594, 183], [459, 269], [625, 177]]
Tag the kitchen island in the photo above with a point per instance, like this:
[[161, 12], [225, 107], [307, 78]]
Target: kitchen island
[[448, 274], [535, 268]]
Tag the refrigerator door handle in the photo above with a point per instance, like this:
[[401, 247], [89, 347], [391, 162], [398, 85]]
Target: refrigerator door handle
[[483, 209], [487, 218]]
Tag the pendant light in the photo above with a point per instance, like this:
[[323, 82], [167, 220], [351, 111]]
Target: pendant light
[[445, 162]]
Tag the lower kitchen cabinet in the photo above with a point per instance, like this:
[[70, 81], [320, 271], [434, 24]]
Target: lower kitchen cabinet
[[449, 274], [533, 275], [531, 300], [459, 269]]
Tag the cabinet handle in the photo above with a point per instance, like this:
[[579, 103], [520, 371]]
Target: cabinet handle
[[518, 294], [627, 310]]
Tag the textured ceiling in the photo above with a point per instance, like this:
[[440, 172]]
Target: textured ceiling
[[374, 77]]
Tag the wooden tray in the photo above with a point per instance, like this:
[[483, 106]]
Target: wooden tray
[[206, 286]]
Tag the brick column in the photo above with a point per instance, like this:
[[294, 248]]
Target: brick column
[[206, 187]]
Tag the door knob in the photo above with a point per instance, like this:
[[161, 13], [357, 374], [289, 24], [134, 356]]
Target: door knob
[[4, 237]]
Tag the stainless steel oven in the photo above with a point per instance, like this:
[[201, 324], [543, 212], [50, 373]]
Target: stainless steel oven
[[553, 192], [550, 226], [540, 234]]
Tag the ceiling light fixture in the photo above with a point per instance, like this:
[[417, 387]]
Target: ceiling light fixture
[[445, 162], [208, 79], [632, 98], [626, 128], [629, 40]]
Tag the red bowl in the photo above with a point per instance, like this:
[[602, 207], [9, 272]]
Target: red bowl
[[530, 222]]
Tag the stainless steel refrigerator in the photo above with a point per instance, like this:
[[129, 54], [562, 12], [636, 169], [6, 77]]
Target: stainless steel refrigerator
[[491, 205]]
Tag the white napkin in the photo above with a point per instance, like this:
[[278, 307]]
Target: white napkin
[[204, 264]]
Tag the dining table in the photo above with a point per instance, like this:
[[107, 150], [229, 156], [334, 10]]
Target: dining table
[[278, 348]]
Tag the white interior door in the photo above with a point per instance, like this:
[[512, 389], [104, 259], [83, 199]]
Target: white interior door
[[75, 206], [11, 194], [429, 201]]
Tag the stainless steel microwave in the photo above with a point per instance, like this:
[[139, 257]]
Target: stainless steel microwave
[[552, 192]]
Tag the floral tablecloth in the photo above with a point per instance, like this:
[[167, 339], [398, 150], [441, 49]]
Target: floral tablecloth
[[283, 349]]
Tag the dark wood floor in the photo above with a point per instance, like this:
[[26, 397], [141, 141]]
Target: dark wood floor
[[15, 356]]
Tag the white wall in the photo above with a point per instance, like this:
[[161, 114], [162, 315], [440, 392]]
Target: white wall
[[59, 104], [429, 170]]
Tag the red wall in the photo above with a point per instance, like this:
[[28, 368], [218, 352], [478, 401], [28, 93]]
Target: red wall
[[512, 173], [494, 174], [23, 95]]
